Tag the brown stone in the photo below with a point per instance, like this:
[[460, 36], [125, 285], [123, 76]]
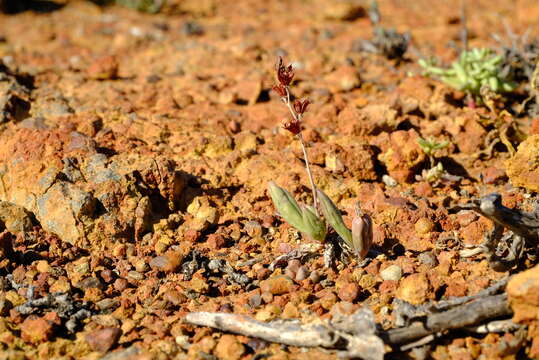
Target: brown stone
[[103, 340], [35, 330], [277, 285], [167, 263], [523, 293], [216, 241], [424, 226], [415, 289], [401, 154], [349, 292], [229, 348], [523, 167], [103, 68]]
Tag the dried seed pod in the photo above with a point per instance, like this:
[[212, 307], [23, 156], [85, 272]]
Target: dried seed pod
[[361, 233]]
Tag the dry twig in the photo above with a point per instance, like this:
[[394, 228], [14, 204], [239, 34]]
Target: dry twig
[[354, 334]]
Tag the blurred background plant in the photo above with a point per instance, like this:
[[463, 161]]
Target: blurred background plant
[[473, 69], [387, 42]]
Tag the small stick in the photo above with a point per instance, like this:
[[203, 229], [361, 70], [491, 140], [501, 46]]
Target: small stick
[[292, 334], [418, 343], [468, 314], [496, 326]]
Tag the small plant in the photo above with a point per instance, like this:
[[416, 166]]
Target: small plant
[[307, 218], [472, 70], [430, 146]]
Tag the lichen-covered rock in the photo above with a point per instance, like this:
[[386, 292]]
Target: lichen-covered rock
[[81, 194], [523, 167], [15, 218]]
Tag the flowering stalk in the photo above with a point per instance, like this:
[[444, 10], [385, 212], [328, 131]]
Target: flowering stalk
[[285, 74]]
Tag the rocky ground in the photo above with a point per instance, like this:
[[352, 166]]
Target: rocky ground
[[136, 148]]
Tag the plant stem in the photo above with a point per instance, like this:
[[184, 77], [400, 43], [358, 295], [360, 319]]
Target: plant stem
[[297, 117], [307, 166]]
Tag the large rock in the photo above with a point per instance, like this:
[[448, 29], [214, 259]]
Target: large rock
[[14, 96], [81, 194], [523, 292], [523, 167]]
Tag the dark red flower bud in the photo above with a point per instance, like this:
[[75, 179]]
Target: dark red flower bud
[[285, 74], [301, 106], [293, 125], [280, 90]]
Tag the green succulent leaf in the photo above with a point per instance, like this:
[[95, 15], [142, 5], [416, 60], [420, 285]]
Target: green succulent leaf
[[286, 205], [472, 70], [303, 219], [314, 226], [334, 218]]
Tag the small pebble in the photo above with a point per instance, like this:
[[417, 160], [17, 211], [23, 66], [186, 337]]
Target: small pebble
[[302, 273], [104, 339], [107, 275], [424, 226], [166, 263], [253, 228], [428, 258], [108, 303], [135, 275], [349, 292], [255, 301], [35, 329], [315, 277], [267, 297], [174, 297], [89, 282], [392, 272], [120, 284], [141, 266], [277, 285]]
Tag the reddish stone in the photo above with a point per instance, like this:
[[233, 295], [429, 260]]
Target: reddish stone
[[493, 175], [103, 68], [388, 287], [103, 340], [35, 330], [216, 241], [191, 235], [349, 292]]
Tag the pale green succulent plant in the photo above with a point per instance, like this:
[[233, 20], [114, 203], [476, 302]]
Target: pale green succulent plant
[[472, 70], [306, 220], [430, 146]]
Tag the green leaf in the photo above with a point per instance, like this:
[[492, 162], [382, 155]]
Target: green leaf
[[333, 217], [315, 227], [286, 205]]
